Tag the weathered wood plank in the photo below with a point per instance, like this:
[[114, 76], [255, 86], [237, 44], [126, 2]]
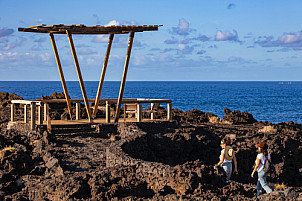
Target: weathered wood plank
[[82, 29]]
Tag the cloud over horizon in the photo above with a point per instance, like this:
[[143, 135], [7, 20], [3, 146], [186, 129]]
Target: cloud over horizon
[[227, 36], [183, 28], [292, 40], [4, 33], [15, 59], [17, 43]]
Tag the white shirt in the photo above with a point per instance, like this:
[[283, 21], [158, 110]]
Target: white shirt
[[262, 161], [225, 160]]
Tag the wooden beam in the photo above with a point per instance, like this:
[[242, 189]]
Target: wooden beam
[[55, 50], [139, 112], [120, 97], [25, 114], [169, 111], [97, 99], [152, 113], [33, 116], [48, 120], [81, 29], [12, 112], [107, 112], [76, 62], [78, 111], [45, 111], [40, 114], [40, 25]]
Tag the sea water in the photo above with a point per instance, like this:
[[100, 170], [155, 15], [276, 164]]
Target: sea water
[[266, 101]]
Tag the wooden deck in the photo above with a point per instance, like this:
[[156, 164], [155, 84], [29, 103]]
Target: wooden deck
[[40, 112]]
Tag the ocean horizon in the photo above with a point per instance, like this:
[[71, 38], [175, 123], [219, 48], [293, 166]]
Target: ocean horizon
[[273, 101]]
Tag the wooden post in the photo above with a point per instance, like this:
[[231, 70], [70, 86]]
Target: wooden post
[[107, 112], [48, 120], [122, 87], [25, 114], [151, 112], [54, 46], [169, 111], [139, 112], [78, 111], [76, 62], [97, 99], [46, 106], [40, 114], [12, 112], [33, 116]]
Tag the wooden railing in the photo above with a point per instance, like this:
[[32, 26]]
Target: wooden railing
[[42, 108]]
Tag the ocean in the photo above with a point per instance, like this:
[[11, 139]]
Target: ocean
[[266, 101]]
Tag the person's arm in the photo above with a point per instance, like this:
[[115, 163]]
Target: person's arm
[[256, 167], [221, 160], [235, 163]]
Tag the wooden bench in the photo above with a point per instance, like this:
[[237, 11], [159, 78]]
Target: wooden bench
[[153, 109]]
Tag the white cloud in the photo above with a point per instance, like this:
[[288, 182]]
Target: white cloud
[[113, 23], [293, 40], [6, 32], [181, 46], [101, 39], [183, 28], [131, 23], [220, 36], [12, 45], [290, 38], [183, 25], [11, 59], [239, 60], [39, 20]]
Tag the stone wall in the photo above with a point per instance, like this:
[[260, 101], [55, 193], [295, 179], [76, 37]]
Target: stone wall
[[158, 176]]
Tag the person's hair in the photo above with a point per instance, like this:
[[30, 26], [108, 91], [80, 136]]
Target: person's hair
[[264, 151], [226, 140]]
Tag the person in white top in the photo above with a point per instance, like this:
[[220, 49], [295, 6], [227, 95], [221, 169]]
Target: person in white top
[[226, 157], [262, 156]]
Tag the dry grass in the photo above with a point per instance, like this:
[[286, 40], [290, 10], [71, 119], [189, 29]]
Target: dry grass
[[11, 149], [277, 187], [267, 129]]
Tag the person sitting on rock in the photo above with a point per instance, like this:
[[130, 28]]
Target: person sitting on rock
[[262, 156], [226, 157]]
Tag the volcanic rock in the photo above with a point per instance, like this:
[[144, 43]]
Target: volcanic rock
[[237, 117]]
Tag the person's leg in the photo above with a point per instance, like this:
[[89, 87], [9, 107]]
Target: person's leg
[[227, 167], [229, 173], [262, 179], [259, 187]]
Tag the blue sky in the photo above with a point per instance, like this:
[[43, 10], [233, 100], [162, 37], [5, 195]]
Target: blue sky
[[213, 40]]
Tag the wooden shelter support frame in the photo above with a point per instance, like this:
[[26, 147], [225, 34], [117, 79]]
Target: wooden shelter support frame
[[55, 50], [122, 87], [76, 63], [97, 99], [82, 29]]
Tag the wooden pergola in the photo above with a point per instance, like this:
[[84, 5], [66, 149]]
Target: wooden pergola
[[82, 29]]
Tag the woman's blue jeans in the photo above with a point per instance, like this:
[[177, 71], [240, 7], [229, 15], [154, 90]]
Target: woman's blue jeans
[[261, 183], [227, 167]]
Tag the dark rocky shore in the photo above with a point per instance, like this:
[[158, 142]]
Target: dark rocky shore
[[142, 161]]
